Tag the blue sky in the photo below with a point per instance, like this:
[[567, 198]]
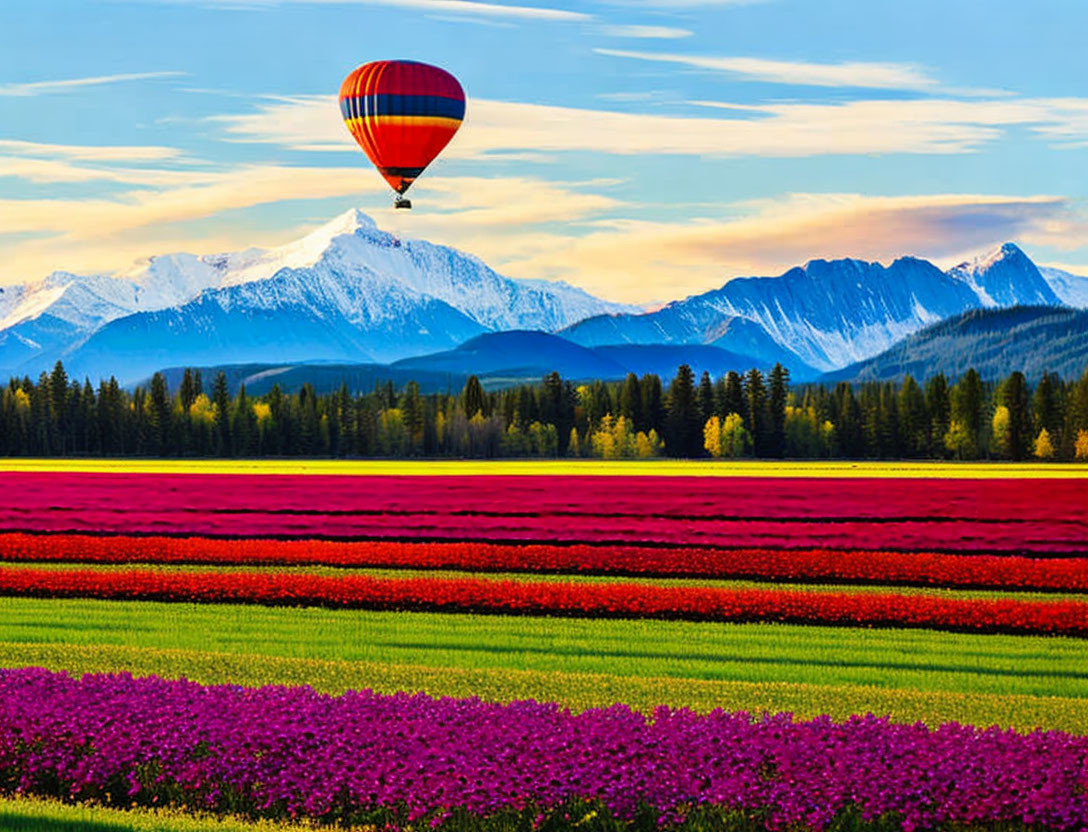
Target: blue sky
[[641, 149]]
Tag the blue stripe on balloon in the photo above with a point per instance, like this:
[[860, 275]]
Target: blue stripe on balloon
[[437, 106]]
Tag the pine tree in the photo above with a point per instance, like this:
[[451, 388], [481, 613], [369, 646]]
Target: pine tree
[[683, 428], [160, 416], [705, 397], [939, 410], [847, 420], [1014, 396], [58, 410], [630, 402], [221, 403], [913, 420], [968, 397], [187, 392], [473, 397], [653, 402], [779, 393], [759, 414], [1046, 408], [733, 399]]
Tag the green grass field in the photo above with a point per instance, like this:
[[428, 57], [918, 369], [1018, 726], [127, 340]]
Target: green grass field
[[1024, 682], [652, 467]]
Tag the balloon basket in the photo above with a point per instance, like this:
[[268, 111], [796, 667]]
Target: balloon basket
[[401, 202]]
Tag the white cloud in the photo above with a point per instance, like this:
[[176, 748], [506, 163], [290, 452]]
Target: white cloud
[[108, 153], [45, 87], [851, 74], [452, 7], [648, 32], [635, 261], [925, 126]]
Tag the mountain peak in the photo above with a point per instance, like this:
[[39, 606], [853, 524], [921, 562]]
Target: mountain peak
[[347, 223], [1005, 277], [1005, 251]]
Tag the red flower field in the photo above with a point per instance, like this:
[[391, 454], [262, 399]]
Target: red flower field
[[633, 600], [802, 565]]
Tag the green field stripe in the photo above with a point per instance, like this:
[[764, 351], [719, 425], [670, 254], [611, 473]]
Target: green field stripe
[[890, 659], [577, 691], [452, 574], [25, 814]]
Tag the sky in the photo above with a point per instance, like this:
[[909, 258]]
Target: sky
[[641, 149]]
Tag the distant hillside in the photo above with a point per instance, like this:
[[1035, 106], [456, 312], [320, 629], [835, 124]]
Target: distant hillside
[[993, 341], [517, 354], [325, 378], [499, 359]]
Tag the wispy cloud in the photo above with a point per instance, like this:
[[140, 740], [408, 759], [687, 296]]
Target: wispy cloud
[[863, 74], [66, 85], [634, 260], [684, 4], [648, 32], [922, 126], [451, 7], [96, 153]]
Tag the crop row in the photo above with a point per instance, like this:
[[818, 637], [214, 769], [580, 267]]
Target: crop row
[[363, 757], [1054, 500], [917, 659], [812, 565], [1039, 537], [575, 690], [623, 600]]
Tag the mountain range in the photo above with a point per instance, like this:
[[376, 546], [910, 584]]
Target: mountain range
[[350, 294], [1032, 339]]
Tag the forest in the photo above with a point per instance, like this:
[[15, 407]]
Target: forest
[[736, 415]]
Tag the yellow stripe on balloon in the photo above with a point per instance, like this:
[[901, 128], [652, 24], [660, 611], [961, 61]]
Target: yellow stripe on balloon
[[420, 121]]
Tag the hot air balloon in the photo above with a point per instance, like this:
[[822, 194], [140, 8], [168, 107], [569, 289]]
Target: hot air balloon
[[402, 113]]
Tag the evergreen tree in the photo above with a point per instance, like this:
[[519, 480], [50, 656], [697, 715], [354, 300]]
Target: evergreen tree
[[160, 416], [473, 397], [733, 398], [705, 397], [779, 393], [630, 402], [939, 410], [683, 426], [1014, 396], [58, 410], [653, 402], [243, 425], [847, 420], [914, 426], [411, 406], [759, 414], [1046, 408], [221, 404], [187, 392], [968, 398]]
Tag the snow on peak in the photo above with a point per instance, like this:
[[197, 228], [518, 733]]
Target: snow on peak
[[1006, 251]]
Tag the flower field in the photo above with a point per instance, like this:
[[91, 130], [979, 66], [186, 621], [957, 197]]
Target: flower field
[[498, 651], [401, 759], [802, 565]]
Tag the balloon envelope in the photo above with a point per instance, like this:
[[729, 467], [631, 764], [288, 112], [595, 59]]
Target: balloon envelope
[[402, 113]]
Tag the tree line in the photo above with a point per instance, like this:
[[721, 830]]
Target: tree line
[[735, 415]]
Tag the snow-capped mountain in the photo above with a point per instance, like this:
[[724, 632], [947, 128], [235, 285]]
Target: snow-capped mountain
[[347, 291], [1006, 277], [1072, 289], [830, 313]]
